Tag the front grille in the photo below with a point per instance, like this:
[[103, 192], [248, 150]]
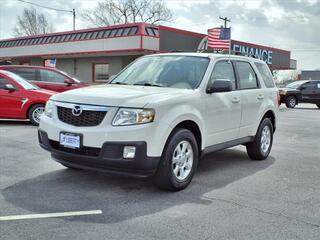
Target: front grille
[[85, 119], [88, 151]]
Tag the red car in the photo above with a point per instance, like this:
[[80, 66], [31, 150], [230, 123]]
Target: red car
[[19, 99], [45, 77]]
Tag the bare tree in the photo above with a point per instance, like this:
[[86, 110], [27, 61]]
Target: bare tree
[[111, 12], [31, 23]]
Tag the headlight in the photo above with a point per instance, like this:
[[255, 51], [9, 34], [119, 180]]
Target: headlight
[[49, 109], [131, 116], [282, 92]]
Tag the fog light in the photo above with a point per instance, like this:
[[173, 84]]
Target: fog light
[[129, 151]]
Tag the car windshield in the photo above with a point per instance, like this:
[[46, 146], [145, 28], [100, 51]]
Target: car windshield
[[184, 72], [24, 83], [295, 84]]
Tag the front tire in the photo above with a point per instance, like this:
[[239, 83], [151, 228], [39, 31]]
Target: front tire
[[291, 101], [35, 113], [260, 148], [179, 161], [318, 105]]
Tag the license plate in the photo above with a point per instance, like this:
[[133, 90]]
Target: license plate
[[70, 140]]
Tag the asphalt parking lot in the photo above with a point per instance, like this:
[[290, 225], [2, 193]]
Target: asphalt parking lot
[[230, 197]]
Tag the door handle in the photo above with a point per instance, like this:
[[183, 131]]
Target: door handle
[[260, 97], [235, 100]]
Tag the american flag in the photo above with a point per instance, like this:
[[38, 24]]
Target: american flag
[[219, 38], [50, 63]]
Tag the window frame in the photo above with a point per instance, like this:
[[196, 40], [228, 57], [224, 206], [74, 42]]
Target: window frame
[[94, 71], [238, 76], [234, 72]]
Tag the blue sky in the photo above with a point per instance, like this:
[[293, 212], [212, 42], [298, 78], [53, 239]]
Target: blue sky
[[289, 24]]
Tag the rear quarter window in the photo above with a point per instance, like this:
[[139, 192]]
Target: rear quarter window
[[265, 74]]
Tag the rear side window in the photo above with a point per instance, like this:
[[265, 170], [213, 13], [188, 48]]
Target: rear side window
[[26, 73], [309, 86], [223, 70], [51, 76], [266, 74], [247, 76]]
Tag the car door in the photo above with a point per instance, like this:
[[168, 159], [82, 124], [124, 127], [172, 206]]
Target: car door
[[223, 109], [10, 106], [252, 96], [53, 80], [309, 92]]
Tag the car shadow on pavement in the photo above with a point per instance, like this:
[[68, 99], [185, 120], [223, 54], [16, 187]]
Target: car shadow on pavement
[[122, 198], [304, 108], [15, 122]]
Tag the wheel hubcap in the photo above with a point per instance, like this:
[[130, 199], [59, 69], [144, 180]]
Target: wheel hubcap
[[292, 102], [265, 139], [37, 114], [182, 160]]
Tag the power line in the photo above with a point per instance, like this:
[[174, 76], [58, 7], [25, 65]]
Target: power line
[[51, 8], [55, 9]]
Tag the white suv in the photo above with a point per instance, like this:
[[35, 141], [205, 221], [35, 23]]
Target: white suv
[[161, 114]]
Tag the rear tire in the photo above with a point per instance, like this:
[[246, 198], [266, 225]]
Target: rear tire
[[260, 148], [291, 101], [179, 161], [35, 113]]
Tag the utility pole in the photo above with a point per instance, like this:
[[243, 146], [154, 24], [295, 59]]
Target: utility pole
[[74, 18], [54, 9], [225, 19]]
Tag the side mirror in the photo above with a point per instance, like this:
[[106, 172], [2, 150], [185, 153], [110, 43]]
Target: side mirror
[[68, 81], [9, 87], [220, 85], [302, 88]]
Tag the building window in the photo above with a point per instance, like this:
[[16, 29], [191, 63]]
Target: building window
[[68, 37], [113, 32], [106, 33], [133, 31], [100, 72], [94, 35], [100, 34]]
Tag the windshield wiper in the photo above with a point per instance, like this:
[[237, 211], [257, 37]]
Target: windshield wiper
[[119, 83], [147, 84]]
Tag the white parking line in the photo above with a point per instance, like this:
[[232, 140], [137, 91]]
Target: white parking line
[[49, 215]]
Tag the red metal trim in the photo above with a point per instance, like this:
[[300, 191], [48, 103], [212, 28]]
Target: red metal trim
[[184, 32], [78, 53], [135, 35], [259, 46], [78, 31]]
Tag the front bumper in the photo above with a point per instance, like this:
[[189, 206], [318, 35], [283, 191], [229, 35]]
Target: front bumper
[[109, 158]]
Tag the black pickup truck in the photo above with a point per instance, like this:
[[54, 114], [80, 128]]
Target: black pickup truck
[[303, 91]]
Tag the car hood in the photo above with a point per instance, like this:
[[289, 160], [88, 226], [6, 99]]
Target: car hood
[[118, 95], [46, 94]]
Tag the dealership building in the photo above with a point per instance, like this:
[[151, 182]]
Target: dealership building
[[93, 55]]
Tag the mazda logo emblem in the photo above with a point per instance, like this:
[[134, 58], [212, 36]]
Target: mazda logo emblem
[[76, 111]]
